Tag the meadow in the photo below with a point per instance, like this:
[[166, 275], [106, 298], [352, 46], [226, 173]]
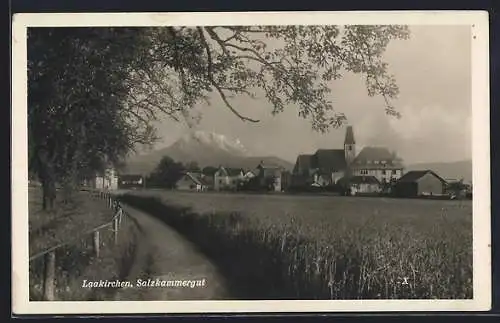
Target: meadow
[[326, 247]]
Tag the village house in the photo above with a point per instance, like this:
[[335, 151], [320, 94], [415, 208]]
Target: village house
[[378, 162], [130, 181], [420, 183], [191, 181], [359, 184], [327, 166], [272, 176], [104, 180], [249, 175], [226, 178]]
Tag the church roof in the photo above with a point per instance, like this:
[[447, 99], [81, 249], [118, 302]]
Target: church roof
[[324, 160], [349, 136], [329, 160]]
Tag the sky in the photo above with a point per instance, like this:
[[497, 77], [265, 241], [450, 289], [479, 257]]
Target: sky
[[433, 72]]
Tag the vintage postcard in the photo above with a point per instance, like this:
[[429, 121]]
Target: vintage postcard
[[250, 162]]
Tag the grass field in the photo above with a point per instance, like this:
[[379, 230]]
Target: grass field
[[75, 261], [326, 247]]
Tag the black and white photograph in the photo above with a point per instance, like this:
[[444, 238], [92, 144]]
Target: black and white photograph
[[250, 162]]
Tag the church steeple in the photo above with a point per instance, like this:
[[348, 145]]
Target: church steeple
[[349, 145]]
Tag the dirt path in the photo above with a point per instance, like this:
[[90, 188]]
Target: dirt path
[[164, 254]]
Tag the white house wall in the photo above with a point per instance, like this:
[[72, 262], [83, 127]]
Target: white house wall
[[379, 173]]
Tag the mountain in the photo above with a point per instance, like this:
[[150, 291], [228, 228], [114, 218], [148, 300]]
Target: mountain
[[456, 170], [207, 149]]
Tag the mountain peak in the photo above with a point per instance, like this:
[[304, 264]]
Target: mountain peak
[[212, 139]]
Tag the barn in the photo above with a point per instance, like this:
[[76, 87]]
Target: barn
[[420, 183]]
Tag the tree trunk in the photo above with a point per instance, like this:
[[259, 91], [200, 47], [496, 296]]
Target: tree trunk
[[48, 187]]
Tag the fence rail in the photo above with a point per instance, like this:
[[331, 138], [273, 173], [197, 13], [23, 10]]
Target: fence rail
[[50, 253]]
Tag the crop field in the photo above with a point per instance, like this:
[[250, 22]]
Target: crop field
[[327, 247]]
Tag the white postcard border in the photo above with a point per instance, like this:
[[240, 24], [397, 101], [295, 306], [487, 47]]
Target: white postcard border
[[481, 159]]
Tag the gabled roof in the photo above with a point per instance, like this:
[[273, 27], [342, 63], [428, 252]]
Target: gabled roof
[[374, 153], [197, 178], [349, 136], [303, 163], [234, 171], [229, 171], [369, 155], [328, 160], [415, 175]]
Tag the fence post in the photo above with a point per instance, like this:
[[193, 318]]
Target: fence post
[[49, 276], [96, 243], [115, 229], [120, 217]]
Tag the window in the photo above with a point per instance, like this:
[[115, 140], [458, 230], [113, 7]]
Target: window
[[384, 162], [349, 148], [364, 172], [383, 171], [376, 162]]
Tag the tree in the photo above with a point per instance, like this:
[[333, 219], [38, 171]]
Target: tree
[[95, 93], [167, 173], [209, 170], [192, 63], [192, 167], [77, 120]]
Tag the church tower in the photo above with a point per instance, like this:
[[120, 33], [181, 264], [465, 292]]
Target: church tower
[[349, 145]]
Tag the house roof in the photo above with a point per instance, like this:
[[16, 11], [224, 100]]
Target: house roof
[[349, 136], [197, 178], [328, 160], [369, 155], [303, 163], [415, 175], [232, 171]]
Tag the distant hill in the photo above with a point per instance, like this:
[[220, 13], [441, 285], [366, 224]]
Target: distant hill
[[207, 149], [456, 170]]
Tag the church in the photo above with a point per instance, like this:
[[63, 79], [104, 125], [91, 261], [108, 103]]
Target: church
[[328, 166]]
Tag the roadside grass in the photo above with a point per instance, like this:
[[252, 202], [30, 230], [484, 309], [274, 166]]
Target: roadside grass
[[364, 251], [76, 261]]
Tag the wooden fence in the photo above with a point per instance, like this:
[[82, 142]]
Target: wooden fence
[[50, 253]]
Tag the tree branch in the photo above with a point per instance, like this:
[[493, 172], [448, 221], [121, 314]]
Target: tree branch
[[214, 83]]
